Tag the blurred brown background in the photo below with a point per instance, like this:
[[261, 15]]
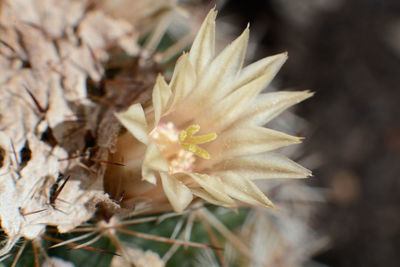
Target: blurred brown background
[[348, 52]]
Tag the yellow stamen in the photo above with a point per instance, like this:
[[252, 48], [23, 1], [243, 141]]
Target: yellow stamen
[[190, 142]]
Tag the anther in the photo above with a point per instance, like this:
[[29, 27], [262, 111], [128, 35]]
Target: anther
[[190, 142]]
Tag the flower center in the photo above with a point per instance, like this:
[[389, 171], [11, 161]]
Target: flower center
[[190, 142], [180, 148]]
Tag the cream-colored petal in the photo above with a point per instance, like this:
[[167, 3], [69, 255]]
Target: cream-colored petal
[[153, 163], [247, 141], [161, 96], [243, 189], [221, 71], [154, 159], [178, 194], [183, 82], [178, 67], [225, 112], [263, 166], [268, 106], [271, 64], [149, 175], [201, 193], [202, 51], [135, 121], [212, 185]]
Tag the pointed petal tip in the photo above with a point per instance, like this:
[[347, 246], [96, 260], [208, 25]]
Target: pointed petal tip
[[160, 79], [178, 194], [214, 9], [269, 204], [285, 55], [307, 174], [150, 179], [309, 93], [211, 15], [134, 120], [281, 57], [299, 139], [295, 139], [306, 94], [203, 47], [243, 37], [246, 32], [303, 95]]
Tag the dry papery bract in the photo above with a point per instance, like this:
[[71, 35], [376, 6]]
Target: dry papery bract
[[52, 136], [138, 258], [48, 50]]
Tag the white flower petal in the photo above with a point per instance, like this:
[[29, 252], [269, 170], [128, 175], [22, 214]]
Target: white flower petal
[[161, 96], [135, 121], [263, 166], [266, 65], [225, 112], [202, 51], [217, 94], [201, 193], [245, 190], [154, 159], [268, 106], [221, 71], [178, 194], [247, 141], [153, 163], [212, 185], [183, 81], [149, 175]]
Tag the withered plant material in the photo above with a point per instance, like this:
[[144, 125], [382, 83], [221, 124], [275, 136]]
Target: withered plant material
[[147, 11], [154, 18], [48, 126], [137, 257]]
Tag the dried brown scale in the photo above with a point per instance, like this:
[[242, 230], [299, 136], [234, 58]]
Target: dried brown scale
[[54, 90]]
